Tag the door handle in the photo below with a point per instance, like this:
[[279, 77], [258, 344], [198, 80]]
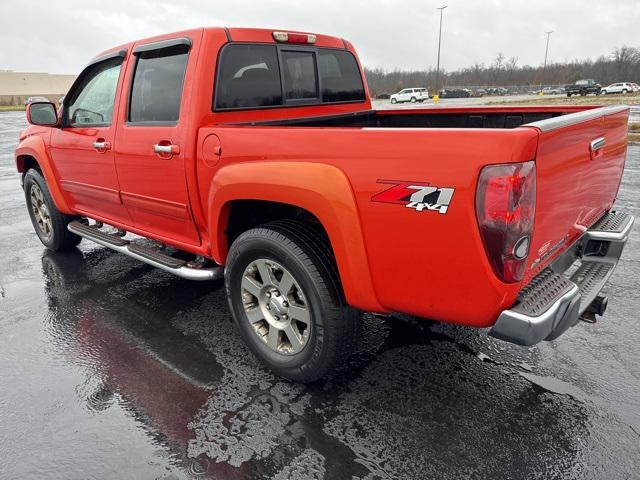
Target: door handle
[[167, 149], [596, 146], [102, 145]]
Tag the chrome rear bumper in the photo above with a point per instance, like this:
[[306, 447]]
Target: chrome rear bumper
[[557, 298]]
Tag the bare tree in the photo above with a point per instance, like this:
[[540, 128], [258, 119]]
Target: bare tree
[[622, 65]]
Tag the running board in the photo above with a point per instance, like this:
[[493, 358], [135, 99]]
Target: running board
[[170, 264]]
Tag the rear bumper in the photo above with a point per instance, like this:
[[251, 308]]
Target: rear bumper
[[560, 295]]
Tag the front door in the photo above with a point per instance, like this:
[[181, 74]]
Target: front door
[[151, 144], [82, 150]]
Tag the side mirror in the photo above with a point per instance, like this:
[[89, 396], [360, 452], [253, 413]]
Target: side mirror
[[42, 113]]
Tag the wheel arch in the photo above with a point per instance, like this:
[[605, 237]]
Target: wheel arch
[[321, 191], [32, 153]]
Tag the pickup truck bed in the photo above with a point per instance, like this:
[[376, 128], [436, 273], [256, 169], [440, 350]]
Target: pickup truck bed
[[477, 117], [444, 148]]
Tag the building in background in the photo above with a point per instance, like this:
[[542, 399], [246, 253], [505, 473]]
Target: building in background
[[16, 87]]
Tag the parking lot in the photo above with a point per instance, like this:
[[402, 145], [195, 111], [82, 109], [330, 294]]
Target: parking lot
[[112, 369]]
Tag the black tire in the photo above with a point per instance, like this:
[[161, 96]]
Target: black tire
[[394, 101], [304, 252], [413, 100], [568, 95], [625, 91], [55, 235]]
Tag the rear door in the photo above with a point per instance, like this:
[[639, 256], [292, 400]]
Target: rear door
[[151, 145], [82, 150]]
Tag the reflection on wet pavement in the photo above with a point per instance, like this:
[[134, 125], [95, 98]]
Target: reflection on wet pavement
[[111, 369]]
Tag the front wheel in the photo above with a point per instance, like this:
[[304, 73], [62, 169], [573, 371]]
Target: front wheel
[[624, 92], [394, 101], [413, 100], [49, 223], [283, 291]]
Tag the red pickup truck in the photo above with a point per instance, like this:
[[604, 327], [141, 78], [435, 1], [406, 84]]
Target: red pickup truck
[[255, 155]]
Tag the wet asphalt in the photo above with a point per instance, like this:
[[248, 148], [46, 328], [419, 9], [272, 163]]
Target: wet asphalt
[[111, 369]]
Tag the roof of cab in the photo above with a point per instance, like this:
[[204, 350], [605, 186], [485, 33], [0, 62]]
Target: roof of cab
[[234, 34]]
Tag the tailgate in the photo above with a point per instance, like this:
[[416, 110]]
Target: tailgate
[[579, 164]]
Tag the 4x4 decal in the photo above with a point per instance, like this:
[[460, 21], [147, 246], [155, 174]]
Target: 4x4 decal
[[416, 195]]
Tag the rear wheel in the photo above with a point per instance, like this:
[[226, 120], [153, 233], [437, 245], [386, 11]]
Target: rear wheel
[[284, 294], [49, 223], [413, 100], [625, 91]]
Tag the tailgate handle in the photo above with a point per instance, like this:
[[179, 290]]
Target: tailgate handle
[[597, 145]]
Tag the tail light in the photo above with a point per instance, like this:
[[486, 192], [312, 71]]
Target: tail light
[[286, 37], [505, 207]]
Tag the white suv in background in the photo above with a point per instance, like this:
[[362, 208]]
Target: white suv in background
[[624, 87], [412, 95]]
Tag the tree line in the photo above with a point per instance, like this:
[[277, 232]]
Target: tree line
[[622, 65]]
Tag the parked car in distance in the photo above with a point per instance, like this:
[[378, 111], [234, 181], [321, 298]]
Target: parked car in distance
[[636, 87], [622, 87], [553, 90], [455, 93], [583, 87], [255, 156], [412, 95], [383, 96], [35, 99], [497, 91]]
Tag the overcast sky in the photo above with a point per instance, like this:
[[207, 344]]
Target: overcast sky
[[60, 36]]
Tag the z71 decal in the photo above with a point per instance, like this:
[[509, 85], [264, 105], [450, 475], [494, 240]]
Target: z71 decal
[[419, 196]]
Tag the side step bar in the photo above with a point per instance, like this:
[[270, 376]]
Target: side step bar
[[170, 264]]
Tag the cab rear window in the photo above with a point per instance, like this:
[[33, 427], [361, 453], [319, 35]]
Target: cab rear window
[[299, 75], [261, 76], [248, 77], [340, 76]]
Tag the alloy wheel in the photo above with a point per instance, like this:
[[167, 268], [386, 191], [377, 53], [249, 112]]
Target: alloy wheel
[[41, 211], [276, 306]]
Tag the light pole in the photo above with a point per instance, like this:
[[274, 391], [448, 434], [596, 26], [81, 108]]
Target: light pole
[[436, 96], [544, 66]]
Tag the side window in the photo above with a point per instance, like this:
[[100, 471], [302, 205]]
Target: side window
[[248, 76], [299, 75], [91, 104], [157, 85]]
